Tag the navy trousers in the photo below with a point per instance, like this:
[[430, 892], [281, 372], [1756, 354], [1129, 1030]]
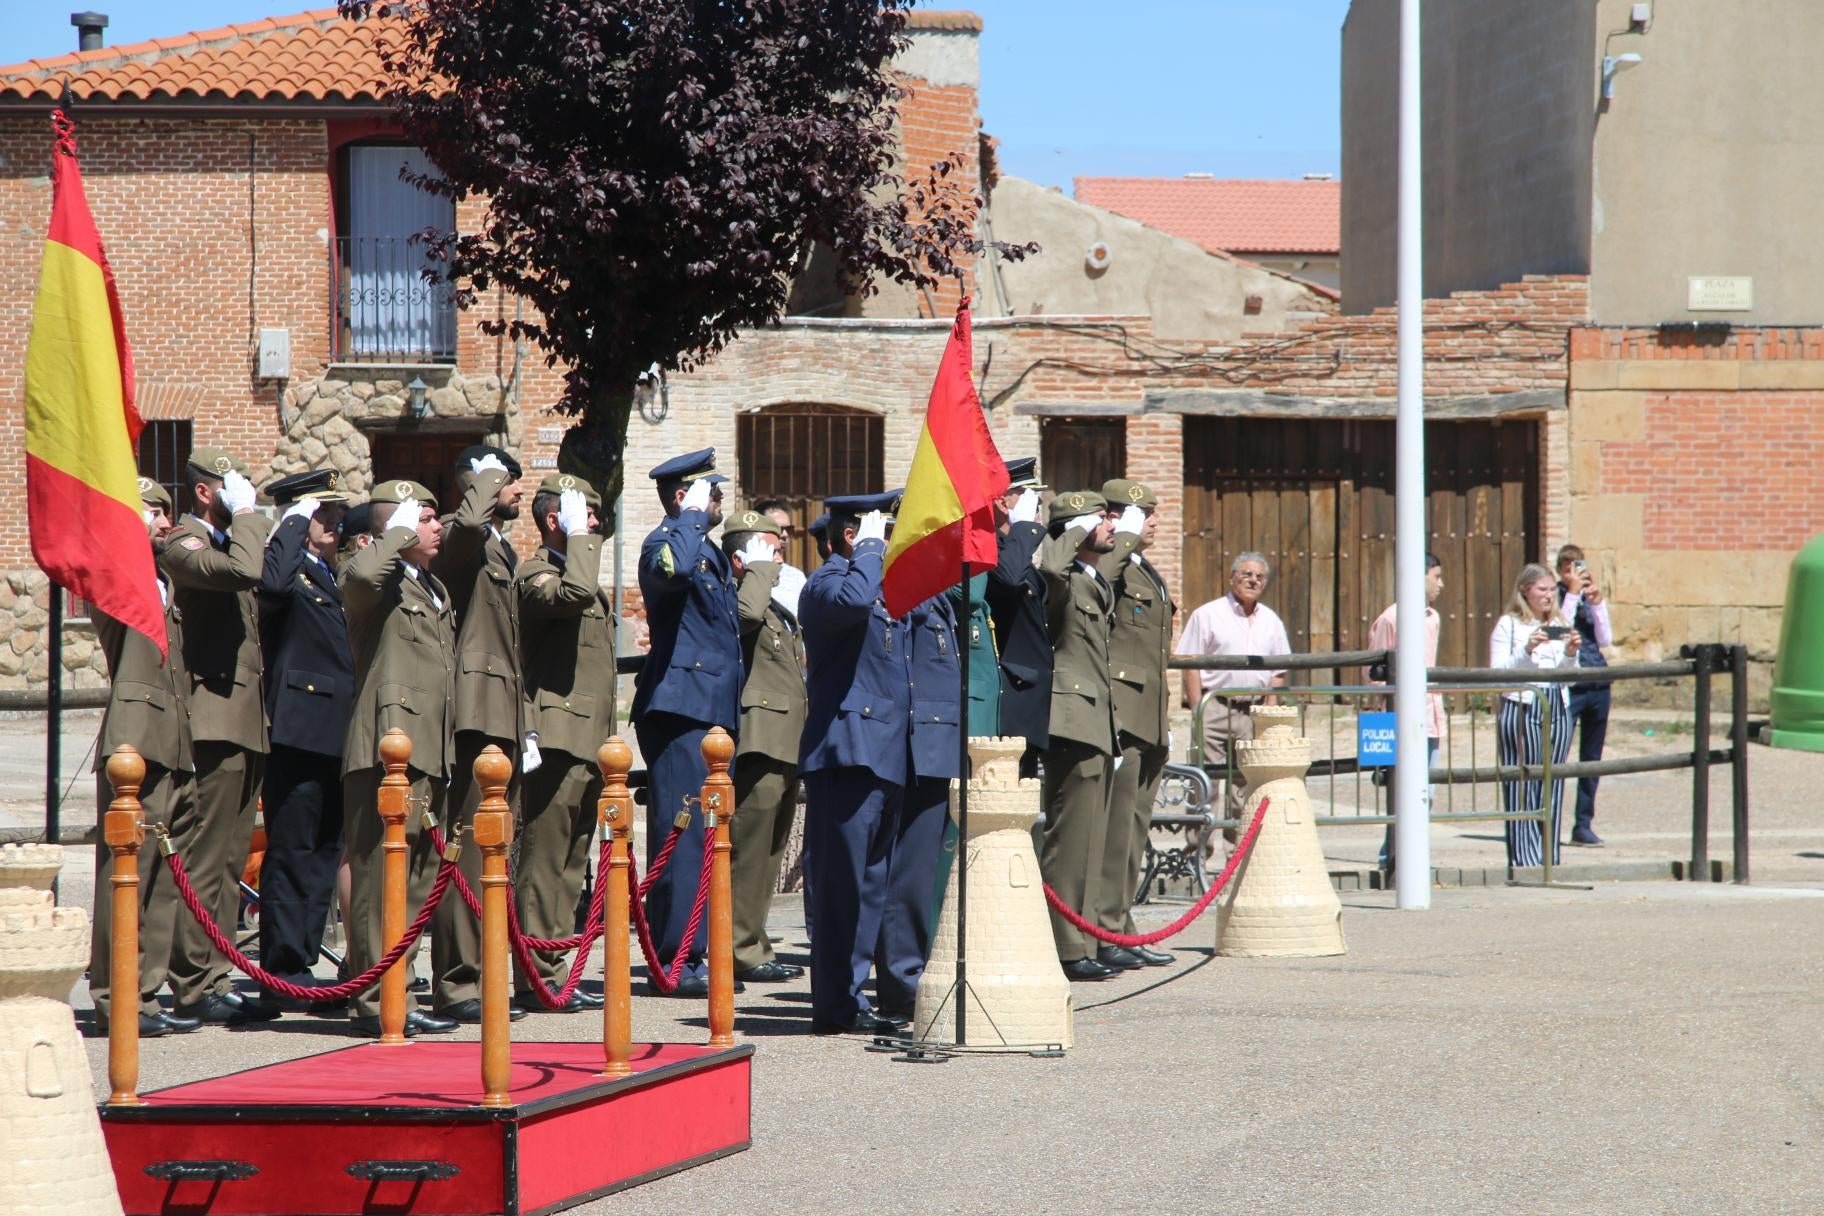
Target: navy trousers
[[1590, 712], [913, 896], [673, 750], [302, 795], [851, 818]]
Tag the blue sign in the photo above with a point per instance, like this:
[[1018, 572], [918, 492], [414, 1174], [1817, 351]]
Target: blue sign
[[1374, 743]]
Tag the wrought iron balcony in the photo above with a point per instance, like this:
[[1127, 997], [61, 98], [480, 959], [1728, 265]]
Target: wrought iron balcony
[[386, 310]]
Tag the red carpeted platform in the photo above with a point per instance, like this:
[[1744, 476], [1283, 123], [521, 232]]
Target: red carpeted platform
[[373, 1129]]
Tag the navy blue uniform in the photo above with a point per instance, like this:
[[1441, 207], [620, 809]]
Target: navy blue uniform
[[690, 682], [310, 689], [855, 763], [913, 894], [1016, 599]]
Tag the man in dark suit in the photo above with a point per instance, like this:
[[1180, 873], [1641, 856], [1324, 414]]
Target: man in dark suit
[[690, 682], [1016, 601], [310, 686]]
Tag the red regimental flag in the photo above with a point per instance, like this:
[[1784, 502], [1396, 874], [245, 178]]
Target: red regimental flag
[[946, 518], [81, 430]]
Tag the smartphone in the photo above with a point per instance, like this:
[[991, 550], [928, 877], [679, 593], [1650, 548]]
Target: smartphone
[[1581, 566], [1555, 632]]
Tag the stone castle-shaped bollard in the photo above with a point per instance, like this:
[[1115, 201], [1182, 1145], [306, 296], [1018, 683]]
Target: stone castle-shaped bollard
[[52, 1157], [1281, 902], [1017, 991]]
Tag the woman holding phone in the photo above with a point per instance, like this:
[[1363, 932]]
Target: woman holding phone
[[1532, 634]]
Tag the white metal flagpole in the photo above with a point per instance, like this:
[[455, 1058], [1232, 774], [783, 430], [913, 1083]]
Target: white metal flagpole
[[1412, 820]]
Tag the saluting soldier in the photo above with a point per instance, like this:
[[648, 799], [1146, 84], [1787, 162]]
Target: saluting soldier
[[854, 761], [1016, 600], [1138, 645], [568, 644], [773, 703], [477, 564], [310, 687], [690, 682], [147, 709], [214, 559], [402, 629], [1082, 724]]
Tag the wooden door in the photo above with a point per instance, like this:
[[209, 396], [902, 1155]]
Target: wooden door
[[427, 457], [803, 454], [1081, 453]]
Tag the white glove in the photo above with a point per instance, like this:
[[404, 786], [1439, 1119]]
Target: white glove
[[697, 497], [1131, 521], [304, 507], [1119, 760], [482, 464], [1025, 508], [529, 759], [572, 512], [873, 526], [405, 515], [789, 587], [237, 492], [1089, 523], [759, 549]]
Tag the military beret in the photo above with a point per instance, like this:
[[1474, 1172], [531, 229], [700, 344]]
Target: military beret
[[820, 526], [357, 519], [321, 484], [1124, 493], [151, 491], [1023, 474], [397, 489], [856, 505], [557, 483], [214, 462], [742, 523], [691, 466], [1068, 506], [477, 451]]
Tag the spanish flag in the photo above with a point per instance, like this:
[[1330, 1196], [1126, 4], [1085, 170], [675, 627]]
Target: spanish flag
[[81, 430], [944, 531]]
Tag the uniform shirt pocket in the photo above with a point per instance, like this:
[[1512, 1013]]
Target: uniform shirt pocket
[[132, 692], [310, 683]]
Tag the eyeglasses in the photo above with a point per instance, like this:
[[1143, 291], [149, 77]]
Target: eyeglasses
[[1245, 577]]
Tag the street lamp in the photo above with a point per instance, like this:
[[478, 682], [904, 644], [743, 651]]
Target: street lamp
[[418, 408]]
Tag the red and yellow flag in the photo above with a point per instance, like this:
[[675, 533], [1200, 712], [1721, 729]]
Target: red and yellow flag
[[946, 518], [81, 430]]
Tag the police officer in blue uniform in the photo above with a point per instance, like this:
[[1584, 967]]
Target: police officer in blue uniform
[[690, 682], [934, 682], [853, 760], [310, 689], [1017, 600]]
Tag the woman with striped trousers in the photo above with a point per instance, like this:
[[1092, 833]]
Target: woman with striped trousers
[[1532, 634]]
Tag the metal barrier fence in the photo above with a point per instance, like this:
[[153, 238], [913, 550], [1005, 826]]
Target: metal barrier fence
[[1472, 693]]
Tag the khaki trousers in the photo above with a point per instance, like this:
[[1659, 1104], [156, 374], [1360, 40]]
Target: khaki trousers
[[766, 802], [1133, 789], [561, 797], [214, 837], [1222, 727], [454, 929], [164, 796], [1076, 791], [366, 833]]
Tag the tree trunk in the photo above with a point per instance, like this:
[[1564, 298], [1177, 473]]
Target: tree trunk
[[595, 449]]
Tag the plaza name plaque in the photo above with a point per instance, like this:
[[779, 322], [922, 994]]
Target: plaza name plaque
[[1719, 293]]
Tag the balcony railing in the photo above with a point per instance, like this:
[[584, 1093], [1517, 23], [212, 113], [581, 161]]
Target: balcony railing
[[385, 309]]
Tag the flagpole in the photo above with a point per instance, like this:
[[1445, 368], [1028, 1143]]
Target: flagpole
[[962, 817], [53, 712]]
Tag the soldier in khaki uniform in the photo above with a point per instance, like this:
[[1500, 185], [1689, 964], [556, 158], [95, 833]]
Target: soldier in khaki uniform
[[772, 725], [214, 558], [477, 564], [569, 673], [1078, 761], [1139, 641], [146, 708], [402, 629]]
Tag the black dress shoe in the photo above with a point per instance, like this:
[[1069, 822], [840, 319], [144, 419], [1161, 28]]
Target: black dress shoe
[[529, 1003], [215, 1010], [468, 1013], [590, 1000], [866, 1022], [1152, 957], [1119, 958], [690, 986], [896, 1014], [369, 1026], [253, 1008], [428, 1023], [1084, 969], [178, 1025], [418, 984], [770, 972], [151, 1026]]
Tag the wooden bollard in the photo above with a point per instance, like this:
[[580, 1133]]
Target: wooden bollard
[[124, 828], [615, 814], [719, 806], [493, 835], [392, 804]]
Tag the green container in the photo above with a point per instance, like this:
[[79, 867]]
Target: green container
[[1798, 669]]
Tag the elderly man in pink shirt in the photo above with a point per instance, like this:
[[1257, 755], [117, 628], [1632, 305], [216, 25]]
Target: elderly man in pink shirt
[[1236, 624], [1381, 637]]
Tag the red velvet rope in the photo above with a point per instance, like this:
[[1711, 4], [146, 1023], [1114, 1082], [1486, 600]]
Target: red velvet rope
[[1178, 926], [666, 980], [298, 992], [592, 929]]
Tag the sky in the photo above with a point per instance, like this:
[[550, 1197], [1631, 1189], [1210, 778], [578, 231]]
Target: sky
[[1236, 88]]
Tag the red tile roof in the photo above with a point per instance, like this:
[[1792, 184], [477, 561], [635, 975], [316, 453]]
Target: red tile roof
[[313, 56], [922, 19], [1245, 217]]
